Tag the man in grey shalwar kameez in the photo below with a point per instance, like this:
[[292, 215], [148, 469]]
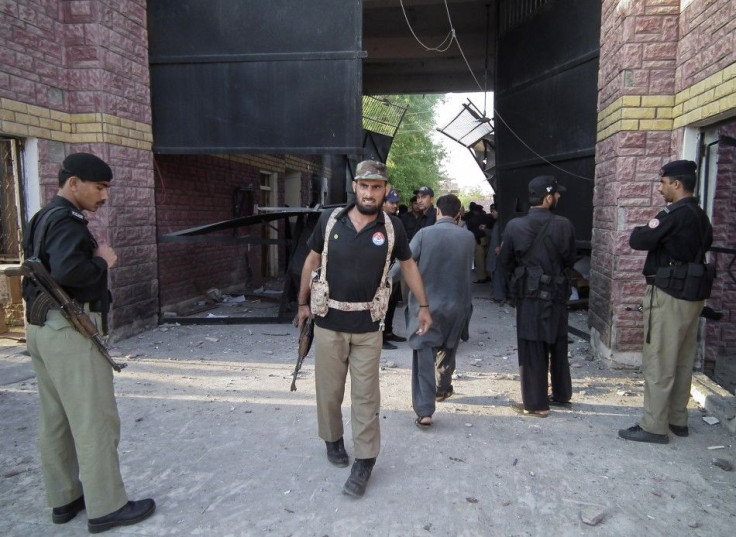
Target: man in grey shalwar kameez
[[444, 254]]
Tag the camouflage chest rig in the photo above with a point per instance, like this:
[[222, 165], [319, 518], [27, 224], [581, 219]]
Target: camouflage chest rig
[[320, 301]]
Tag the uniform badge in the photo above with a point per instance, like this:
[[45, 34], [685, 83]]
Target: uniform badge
[[378, 238], [653, 223], [77, 215]]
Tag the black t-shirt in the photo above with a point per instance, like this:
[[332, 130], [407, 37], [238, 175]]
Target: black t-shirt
[[355, 264]]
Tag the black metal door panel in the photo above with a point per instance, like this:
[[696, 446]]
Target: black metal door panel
[[546, 104], [249, 76]]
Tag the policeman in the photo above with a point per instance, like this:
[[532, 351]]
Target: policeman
[[539, 250], [678, 235], [79, 427], [425, 201]]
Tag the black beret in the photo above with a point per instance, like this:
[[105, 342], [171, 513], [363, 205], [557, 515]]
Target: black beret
[[87, 167], [678, 167]]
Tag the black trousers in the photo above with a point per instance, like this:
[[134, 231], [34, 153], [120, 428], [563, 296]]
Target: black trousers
[[536, 360]]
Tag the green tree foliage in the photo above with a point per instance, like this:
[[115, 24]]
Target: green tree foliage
[[415, 159]]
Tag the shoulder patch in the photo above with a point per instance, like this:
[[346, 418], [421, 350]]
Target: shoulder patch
[[76, 214], [653, 223]]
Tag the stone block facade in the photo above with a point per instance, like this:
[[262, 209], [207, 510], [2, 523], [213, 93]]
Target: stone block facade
[[665, 66], [74, 77]]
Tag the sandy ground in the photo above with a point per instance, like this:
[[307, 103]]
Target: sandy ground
[[211, 431]]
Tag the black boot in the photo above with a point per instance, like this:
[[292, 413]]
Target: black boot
[[63, 514], [130, 513], [359, 475], [336, 453]]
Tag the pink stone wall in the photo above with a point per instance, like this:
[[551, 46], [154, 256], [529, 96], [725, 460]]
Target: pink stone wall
[[638, 57], [720, 336], [649, 48], [92, 57]]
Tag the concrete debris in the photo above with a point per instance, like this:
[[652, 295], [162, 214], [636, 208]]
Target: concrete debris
[[470, 499], [592, 517], [723, 464], [693, 524], [711, 420], [214, 294], [212, 339]]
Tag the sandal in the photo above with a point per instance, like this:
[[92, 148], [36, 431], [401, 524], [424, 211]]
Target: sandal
[[423, 424], [519, 409]]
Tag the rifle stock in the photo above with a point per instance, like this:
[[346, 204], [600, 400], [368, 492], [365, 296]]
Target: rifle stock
[[73, 311]]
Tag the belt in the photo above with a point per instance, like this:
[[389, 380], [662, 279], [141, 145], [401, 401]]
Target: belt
[[649, 279], [348, 306]]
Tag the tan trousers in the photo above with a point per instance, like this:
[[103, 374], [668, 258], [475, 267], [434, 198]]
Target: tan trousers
[[335, 353], [479, 259], [668, 358], [79, 427]]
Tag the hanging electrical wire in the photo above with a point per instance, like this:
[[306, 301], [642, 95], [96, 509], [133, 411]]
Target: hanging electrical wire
[[452, 36], [446, 42]]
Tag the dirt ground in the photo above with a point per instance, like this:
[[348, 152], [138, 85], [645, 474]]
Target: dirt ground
[[212, 432]]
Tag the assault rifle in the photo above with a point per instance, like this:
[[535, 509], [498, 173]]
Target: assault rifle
[[33, 269], [305, 342]]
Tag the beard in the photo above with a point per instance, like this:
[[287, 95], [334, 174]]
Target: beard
[[362, 209]]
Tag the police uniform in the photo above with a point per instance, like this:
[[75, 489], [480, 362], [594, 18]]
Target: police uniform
[[350, 338], [79, 427], [541, 321], [675, 236]]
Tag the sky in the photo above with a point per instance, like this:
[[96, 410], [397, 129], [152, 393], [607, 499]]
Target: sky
[[459, 164]]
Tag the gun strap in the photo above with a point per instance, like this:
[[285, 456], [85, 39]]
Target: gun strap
[[42, 303], [39, 232], [537, 240]]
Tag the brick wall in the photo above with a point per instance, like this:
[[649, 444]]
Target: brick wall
[[720, 336], [198, 190], [638, 49], [660, 70], [74, 75]]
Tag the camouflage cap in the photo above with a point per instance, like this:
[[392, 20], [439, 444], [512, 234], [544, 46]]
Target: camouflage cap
[[371, 170]]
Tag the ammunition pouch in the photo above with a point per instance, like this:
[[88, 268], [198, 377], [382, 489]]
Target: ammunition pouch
[[319, 297], [379, 304], [686, 281], [532, 282]]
